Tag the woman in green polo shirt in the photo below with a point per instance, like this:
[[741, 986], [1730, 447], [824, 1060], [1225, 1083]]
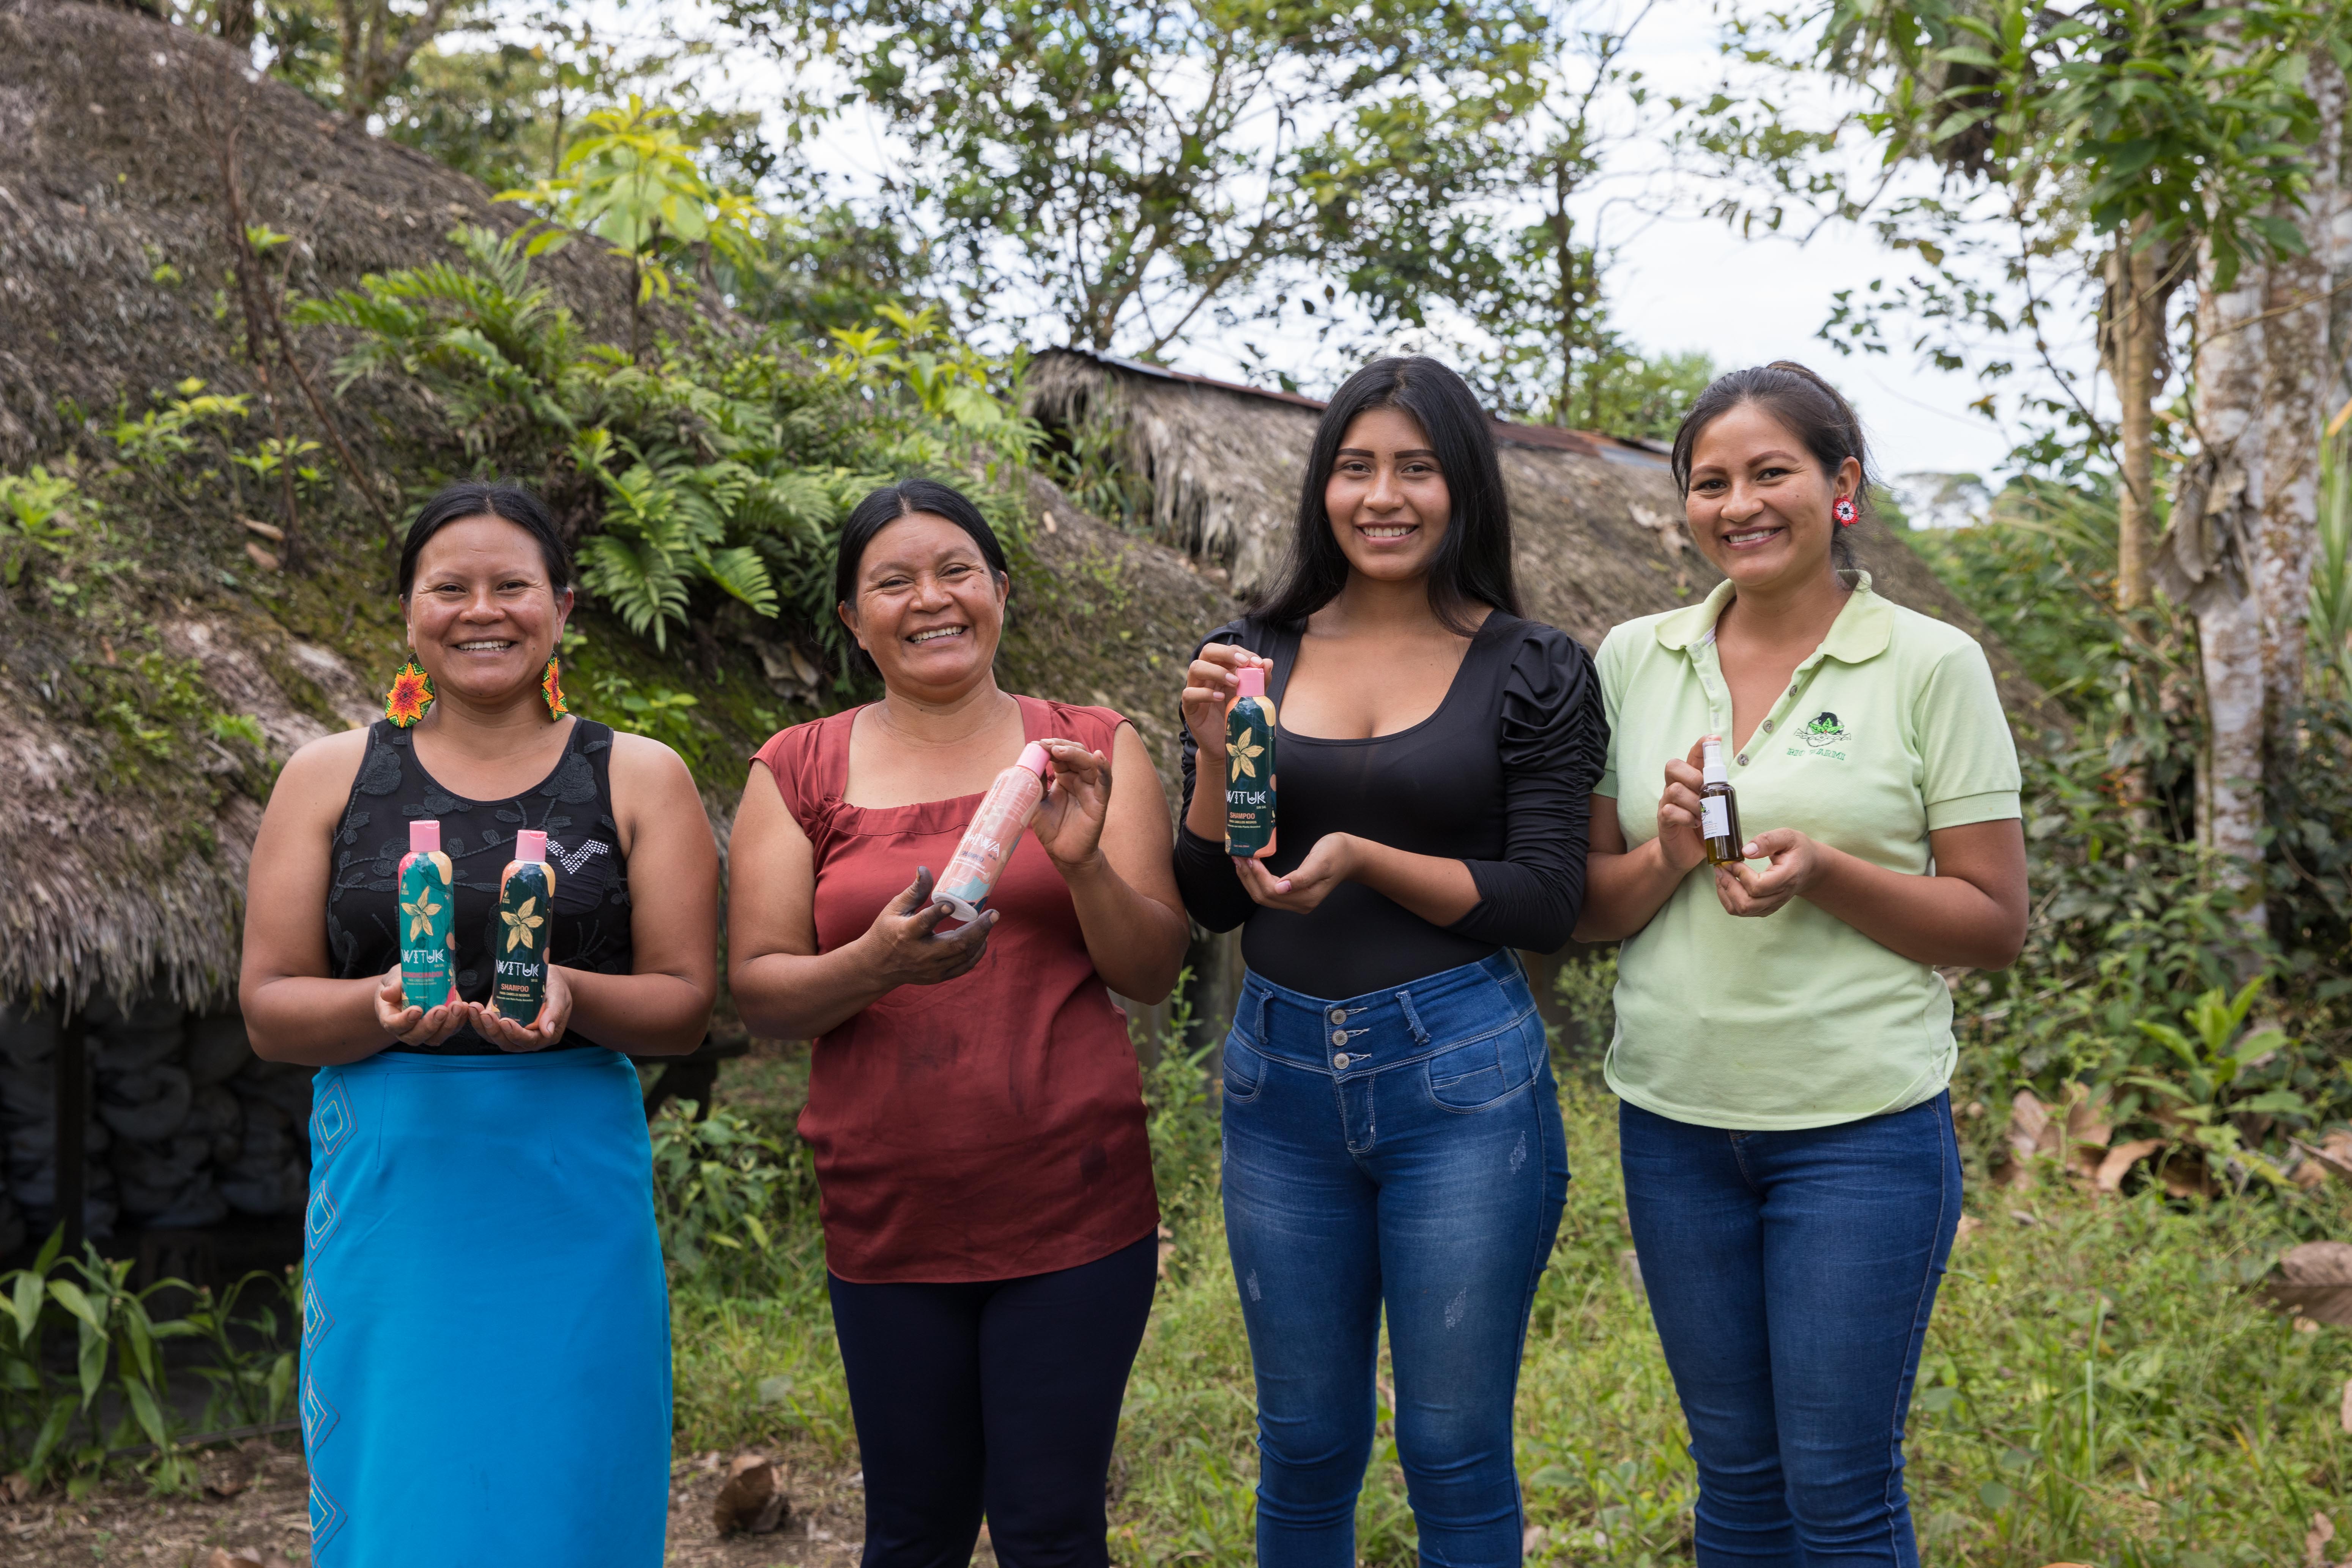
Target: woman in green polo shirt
[[1783, 1040]]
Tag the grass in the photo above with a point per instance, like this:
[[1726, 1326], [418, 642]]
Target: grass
[[2100, 1385]]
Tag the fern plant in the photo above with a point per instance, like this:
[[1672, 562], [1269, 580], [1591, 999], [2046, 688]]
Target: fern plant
[[712, 471]]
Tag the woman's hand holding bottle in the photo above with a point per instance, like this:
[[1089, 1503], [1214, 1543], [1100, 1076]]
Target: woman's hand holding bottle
[[425, 1027], [554, 1020], [902, 947], [1680, 837], [1209, 685], [1333, 859], [1069, 823], [1797, 866]]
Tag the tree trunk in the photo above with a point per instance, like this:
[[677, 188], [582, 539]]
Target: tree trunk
[[2138, 292], [2246, 516], [2298, 378], [2209, 564]]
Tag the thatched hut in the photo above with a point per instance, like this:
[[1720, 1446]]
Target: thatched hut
[[1599, 526], [123, 1067]]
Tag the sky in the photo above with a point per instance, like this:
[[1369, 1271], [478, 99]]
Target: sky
[[1680, 283]]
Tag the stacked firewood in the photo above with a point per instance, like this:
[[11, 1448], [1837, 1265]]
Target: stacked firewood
[[187, 1126]]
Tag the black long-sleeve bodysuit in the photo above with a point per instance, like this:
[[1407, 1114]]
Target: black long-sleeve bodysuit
[[1500, 777]]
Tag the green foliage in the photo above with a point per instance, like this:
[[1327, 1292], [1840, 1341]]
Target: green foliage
[[715, 1187], [2130, 933], [635, 181], [1585, 987], [715, 469], [82, 1314], [2330, 622], [1182, 1100], [2164, 120], [2041, 575], [40, 518], [1130, 171]]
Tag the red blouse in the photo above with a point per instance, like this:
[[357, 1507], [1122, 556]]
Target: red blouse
[[991, 1126]]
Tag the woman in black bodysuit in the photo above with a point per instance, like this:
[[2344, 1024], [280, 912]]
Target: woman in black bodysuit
[[1392, 1134]]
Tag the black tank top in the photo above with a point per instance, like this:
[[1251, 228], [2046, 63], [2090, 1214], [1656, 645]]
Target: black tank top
[[573, 807]]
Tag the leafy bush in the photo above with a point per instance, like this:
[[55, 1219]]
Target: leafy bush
[[716, 468], [716, 1183], [1183, 1107], [56, 1427]]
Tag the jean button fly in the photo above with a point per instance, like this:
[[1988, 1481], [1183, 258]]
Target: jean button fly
[[1339, 1014], [1341, 1061], [1338, 1036]]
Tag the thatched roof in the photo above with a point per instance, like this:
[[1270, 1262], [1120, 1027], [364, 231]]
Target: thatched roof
[[112, 244], [1599, 524]]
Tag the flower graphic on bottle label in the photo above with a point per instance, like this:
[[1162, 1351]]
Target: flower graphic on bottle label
[[520, 923], [1245, 751], [420, 914], [1825, 730]]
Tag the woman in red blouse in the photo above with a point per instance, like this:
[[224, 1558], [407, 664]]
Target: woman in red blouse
[[974, 1105]]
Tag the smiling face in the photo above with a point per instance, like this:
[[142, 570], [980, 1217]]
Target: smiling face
[[930, 609], [483, 618], [1386, 497], [1760, 500]]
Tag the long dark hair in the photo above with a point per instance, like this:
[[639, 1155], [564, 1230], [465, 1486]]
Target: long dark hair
[[487, 497], [1473, 565], [886, 506], [1814, 410]]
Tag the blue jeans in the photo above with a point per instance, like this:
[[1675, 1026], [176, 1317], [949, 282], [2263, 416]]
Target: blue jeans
[[1791, 1276], [1402, 1147]]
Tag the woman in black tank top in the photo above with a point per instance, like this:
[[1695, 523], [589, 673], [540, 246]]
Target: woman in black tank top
[[591, 915], [485, 1372]]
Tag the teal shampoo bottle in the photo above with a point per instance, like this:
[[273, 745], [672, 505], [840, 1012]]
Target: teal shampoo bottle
[[428, 970], [519, 934], [1249, 767]]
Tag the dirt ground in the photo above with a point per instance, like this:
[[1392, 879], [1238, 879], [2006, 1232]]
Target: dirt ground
[[121, 1525]]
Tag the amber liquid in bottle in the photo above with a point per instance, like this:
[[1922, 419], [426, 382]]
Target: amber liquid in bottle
[[1718, 807]]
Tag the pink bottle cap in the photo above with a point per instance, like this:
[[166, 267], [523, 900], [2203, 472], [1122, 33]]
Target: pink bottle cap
[[530, 845], [1037, 758], [424, 838], [1250, 680]]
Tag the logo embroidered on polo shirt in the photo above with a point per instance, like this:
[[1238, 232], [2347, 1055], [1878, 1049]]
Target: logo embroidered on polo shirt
[[1825, 730]]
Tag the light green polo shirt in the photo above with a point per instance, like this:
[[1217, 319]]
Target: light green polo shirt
[[1892, 728]]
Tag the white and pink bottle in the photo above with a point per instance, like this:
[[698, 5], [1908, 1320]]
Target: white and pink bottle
[[1003, 816]]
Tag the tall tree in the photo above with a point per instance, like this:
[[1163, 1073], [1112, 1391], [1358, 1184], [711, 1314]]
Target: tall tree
[[2142, 138], [1484, 209], [1128, 170], [2246, 517]]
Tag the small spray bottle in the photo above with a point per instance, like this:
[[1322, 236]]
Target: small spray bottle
[[1249, 767], [428, 971], [1003, 816], [1718, 806], [518, 936]]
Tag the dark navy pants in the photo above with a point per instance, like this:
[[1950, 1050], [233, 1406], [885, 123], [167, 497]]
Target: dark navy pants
[[1791, 1276], [1404, 1149], [1000, 1397]]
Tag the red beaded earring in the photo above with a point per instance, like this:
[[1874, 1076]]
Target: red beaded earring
[[1843, 509]]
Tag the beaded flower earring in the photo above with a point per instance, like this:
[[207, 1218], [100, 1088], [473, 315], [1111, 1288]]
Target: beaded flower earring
[[1844, 510], [551, 685], [411, 694]]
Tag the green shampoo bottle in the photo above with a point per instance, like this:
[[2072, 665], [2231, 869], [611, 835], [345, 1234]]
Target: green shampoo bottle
[[428, 970], [1249, 767], [519, 935]]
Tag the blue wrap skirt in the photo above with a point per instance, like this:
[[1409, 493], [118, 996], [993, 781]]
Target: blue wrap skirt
[[485, 1360]]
